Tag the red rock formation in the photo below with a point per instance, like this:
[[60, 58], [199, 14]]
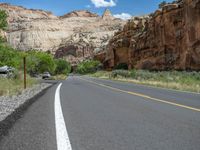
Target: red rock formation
[[100, 56], [168, 39], [75, 53], [192, 23]]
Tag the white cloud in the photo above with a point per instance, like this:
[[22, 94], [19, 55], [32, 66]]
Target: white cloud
[[103, 3], [124, 16]]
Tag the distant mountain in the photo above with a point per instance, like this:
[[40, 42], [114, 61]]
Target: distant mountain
[[80, 13], [41, 30]]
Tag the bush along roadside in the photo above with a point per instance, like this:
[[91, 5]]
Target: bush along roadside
[[86, 67], [37, 63], [179, 80]]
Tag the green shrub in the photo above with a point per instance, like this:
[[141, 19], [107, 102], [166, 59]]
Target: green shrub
[[133, 73], [121, 66], [88, 67], [62, 67], [122, 73], [3, 20], [40, 62], [9, 56], [2, 40], [144, 75], [37, 62], [181, 80]]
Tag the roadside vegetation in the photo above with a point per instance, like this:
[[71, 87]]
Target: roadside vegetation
[[179, 80], [37, 63], [90, 66], [62, 67], [14, 86]]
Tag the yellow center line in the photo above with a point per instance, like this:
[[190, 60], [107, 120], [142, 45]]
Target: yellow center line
[[144, 96]]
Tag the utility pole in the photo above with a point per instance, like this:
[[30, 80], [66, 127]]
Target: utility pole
[[24, 61]]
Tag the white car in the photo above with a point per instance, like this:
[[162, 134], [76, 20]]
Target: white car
[[46, 75], [6, 71]]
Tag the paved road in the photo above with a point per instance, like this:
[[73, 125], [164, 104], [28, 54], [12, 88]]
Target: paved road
[[107, 115]]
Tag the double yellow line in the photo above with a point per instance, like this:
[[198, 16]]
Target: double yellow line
[[144, 96]]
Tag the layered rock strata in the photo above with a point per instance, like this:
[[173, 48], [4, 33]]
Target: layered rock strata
[[41, 30], [165, 40]]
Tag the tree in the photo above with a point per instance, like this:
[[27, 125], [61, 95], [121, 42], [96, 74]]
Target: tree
[[32, 63], [46, 63], [40, 62], [162, 4], [3, 20], [62, 66], [9, 56], [88, 67]]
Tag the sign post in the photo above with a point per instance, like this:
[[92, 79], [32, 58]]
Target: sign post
[[24, 61]]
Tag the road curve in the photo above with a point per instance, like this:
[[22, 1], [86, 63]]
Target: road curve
[[107, 115]]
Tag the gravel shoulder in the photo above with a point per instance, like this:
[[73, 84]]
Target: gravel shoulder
[[12, 107]]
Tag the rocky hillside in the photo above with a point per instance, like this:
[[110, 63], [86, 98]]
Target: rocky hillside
[[41, 30], [167, 39], [79, 13]]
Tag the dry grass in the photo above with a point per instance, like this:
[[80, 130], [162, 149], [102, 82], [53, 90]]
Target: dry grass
[[10, 87], [59, 77], [169, 85], [172, 80], [101, 74]]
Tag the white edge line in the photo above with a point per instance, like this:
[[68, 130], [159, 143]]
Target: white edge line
[[62, 137]]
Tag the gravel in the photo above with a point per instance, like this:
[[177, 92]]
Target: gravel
[[9, 104]]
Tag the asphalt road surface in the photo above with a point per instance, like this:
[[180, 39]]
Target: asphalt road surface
[[85, 113]]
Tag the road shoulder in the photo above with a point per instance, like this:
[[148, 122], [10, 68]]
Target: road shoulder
[[12, 108]]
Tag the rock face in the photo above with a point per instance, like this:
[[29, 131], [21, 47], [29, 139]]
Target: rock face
[[107, 15], [165, 40], [79, 13], [41, 30], [89, 40]]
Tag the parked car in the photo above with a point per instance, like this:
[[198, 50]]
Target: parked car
[[6, 72], [46, 75]]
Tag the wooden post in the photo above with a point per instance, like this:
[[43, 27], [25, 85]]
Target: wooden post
[[83, 51], [24, 72]]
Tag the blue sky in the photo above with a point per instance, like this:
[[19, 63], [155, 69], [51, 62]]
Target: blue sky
[[60, 7]]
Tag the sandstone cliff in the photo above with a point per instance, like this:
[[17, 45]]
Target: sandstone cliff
[[107, 15], [167, 39], [79, 13], [41, 30]]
